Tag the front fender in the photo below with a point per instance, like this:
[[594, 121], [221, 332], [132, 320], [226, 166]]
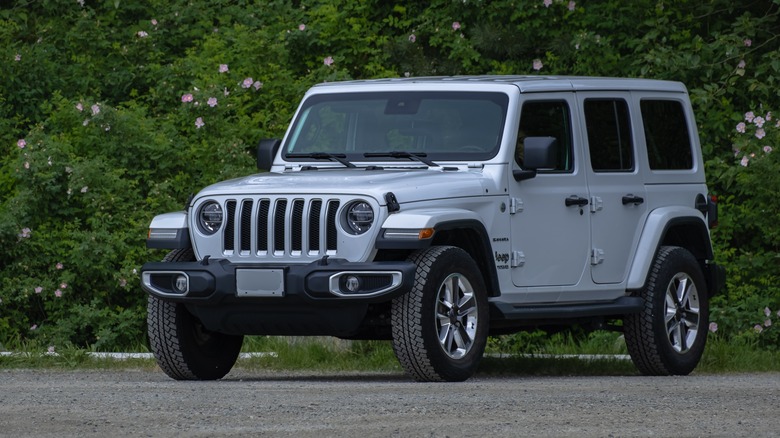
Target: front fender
[[169, 231]]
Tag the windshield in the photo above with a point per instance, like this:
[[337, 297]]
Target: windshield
[[371, 126]]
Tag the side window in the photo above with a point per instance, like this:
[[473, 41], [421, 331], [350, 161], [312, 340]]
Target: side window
[[666, 132], [609, 135], [547, 119]]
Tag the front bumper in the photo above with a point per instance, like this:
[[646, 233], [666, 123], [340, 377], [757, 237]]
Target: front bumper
[[334, 280]]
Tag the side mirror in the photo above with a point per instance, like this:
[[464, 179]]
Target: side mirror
[[538, 153], [266, 152]]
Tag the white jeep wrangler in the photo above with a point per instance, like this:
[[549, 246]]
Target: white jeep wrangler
[[438, 211]]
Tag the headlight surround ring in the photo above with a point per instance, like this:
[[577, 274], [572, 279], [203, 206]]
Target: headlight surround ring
[[210, 217], [358, 217]]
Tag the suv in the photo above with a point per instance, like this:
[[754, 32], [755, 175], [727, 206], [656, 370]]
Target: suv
[[437, 211]]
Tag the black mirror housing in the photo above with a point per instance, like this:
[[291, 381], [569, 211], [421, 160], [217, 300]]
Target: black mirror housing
[[538, 153]]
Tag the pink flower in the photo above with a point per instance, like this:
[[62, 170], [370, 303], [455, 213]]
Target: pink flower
[[50, 350], [759, 121], [767, 312], [328, 61], [571, 5], [547, 3], [26, 232], [301, 27], [95, 109], [758, 328], [58, 293], [748, 42], [745, 161], [84, 189], [223, 68], [63, 285], [768, 116], [455, 25], [768, 323], [538, 64], [58, 266], [142, 34], [80, 107], [760, 133], [741, 64], [38, 290], [186, 98], [34, 327], [412, 38], [18, 57], [749, 116], [741, 127], [258, 85], [21, 143], [212, 102], [199, 122], [247, 83], [713, 327], [26, 164], [154, 22], [767, 149]]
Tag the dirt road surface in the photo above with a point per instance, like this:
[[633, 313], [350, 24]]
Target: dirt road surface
[[46, 403]]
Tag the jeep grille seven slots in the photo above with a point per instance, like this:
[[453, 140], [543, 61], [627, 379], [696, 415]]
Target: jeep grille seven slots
[[437, 211]]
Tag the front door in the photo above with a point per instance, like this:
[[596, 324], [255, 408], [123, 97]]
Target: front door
[[550, 226]]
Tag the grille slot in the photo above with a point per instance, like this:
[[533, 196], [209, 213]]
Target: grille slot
[[281, 227]]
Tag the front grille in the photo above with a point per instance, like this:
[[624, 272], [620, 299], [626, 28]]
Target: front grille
[[280, 227]]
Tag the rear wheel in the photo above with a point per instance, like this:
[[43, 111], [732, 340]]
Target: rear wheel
[[183, 347], [668, 336], [440, 327]]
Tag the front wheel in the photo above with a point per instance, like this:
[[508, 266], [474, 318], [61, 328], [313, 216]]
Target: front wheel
[[668, 336], [440, 327], [183, 347]]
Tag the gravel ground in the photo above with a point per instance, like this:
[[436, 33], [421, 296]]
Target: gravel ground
[[46, 403]]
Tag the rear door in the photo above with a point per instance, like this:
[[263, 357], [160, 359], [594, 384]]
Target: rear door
[[618, 203]]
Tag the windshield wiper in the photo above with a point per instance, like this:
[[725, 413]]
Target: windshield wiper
[[341, 158], [416, 156]]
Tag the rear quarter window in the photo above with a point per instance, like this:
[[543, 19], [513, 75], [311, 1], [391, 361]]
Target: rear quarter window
[[666, 134]]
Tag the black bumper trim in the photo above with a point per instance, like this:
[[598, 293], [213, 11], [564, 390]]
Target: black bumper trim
[[303, 282]]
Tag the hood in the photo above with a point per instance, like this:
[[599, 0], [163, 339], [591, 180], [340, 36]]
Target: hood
[[408, 185]]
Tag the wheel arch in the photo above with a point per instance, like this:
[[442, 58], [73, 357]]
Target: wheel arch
[[685, 228], [454, 227]]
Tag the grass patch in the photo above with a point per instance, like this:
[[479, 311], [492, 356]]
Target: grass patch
[[528, 354]]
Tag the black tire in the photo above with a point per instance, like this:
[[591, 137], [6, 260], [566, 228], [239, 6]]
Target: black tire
[[418, 317], [183, 347], [668, 336]]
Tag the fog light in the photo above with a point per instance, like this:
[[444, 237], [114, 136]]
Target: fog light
[[352, 284], [180, 284]]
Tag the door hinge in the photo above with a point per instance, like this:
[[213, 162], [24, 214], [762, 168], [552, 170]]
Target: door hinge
[[596, 204], [518, 259], [515, 205], [596, 256]]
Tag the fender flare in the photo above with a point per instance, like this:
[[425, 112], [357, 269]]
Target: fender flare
[[654, 232], [169, 231], [443, 219]]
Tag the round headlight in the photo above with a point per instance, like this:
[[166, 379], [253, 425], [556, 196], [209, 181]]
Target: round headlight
[[210, 217], [360, 216]]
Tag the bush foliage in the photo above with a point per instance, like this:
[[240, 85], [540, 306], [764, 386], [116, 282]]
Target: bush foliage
[[112, 111]]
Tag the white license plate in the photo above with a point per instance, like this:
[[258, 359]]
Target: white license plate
[[259, 282]]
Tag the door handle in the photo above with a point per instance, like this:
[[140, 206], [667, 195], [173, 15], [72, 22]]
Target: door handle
[[576, 200], [631, 199]]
